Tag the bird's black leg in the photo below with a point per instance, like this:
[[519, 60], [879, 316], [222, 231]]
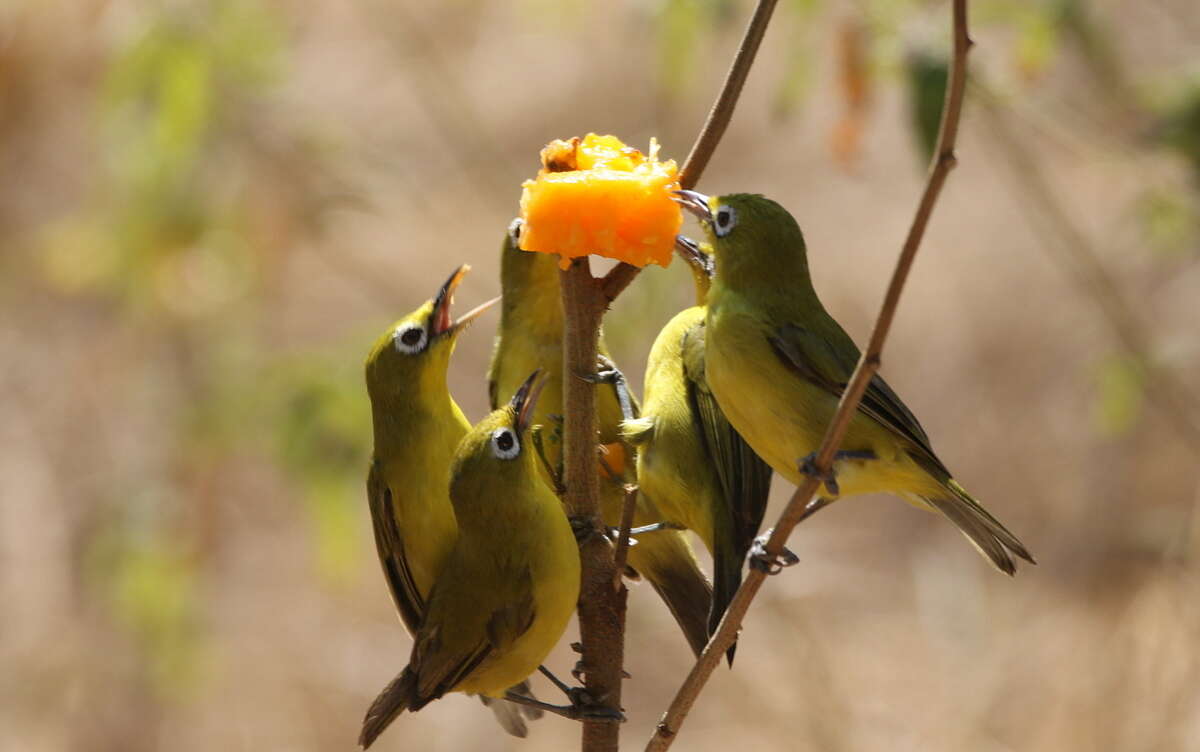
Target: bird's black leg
[[610, 374], [651, 528], [562, 685], [762, 561], [581, 704], [808, 466]]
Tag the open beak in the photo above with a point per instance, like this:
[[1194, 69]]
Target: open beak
[[445, 297], [442, 323], [694, 202], [471, 315], [689, 251], [525, 400]]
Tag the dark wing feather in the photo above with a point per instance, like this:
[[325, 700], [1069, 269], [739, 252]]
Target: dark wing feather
[[744, 478], [390, 545], [820, 362]]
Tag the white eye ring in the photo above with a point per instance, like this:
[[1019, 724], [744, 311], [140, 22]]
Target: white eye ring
[[514, 231], [724, 221], [410, 339], [505, 444]]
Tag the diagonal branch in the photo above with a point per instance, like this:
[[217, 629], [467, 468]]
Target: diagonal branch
[[714, 128], [868, 364]]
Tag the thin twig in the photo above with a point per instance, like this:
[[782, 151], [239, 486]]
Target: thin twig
[[622, 551], [868, 364], [619, 277]]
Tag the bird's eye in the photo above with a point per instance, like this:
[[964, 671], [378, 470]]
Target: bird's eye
[[505, 444], [514, 231], [410, 339], [724, 220]]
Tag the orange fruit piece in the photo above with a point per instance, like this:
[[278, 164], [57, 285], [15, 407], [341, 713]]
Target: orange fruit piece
[[597, 195]]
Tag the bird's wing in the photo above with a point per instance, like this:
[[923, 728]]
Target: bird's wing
[[442, 661], [745, 478], [390, 545], [827, 359], [514, 618], [477, 625]]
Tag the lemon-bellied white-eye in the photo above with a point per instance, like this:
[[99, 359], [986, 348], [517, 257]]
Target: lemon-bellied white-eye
[[510, 580], [691, 464], [417, 426], [777, 363], [530, 336]]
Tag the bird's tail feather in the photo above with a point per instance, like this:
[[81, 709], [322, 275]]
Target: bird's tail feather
[[727, 577], [396, 697], [667, 561], [511, 716], [992, 539]]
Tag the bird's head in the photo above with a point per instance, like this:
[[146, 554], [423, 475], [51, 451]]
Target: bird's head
[[529, 282], [752, 237], [415, 351], [497, 448]]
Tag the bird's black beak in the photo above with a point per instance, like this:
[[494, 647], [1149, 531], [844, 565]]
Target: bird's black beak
[[689, 251], [694, 202], [441, 323], [525, 400]]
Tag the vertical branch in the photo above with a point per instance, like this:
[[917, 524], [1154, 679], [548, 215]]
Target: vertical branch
[[868, 364], [601, 606], [585, 298]]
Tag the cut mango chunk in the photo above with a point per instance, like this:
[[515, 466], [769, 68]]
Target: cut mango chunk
[[596, 195]]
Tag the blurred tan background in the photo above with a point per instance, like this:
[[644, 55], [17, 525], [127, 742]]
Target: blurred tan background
[[210, 208]]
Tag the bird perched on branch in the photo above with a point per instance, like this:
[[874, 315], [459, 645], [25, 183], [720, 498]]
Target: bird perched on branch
[[509, 582], [778, 363], [691, 464], [417, 427], [530, 336]]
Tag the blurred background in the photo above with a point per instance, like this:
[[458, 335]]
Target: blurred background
[[211, 208]]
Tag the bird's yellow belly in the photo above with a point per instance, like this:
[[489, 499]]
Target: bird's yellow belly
[[672, 485], [421, 504], [556, 592], [784, 417]]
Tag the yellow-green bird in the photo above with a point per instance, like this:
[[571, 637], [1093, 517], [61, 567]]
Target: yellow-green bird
[[777, 363], [530, 336], [691, 464], [510, 580], [417, 427]]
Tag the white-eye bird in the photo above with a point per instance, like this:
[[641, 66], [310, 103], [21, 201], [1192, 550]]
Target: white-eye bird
[[509, 583], [778, 363], [691, 464], [530, 336], [417, 426]]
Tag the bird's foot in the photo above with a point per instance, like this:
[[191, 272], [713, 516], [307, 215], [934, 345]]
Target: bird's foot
[[808, 466], [581, 707], [608, 373], [764, 562], [584, 529]]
